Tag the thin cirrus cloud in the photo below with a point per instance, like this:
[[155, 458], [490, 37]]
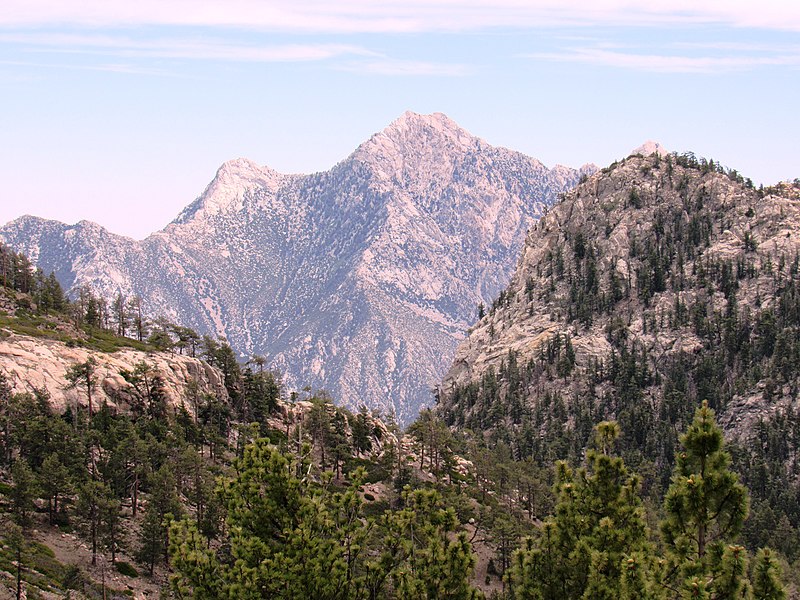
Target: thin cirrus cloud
[[360, 59], [201, 49], [105, 67], [408, 16], [396, 67], [673, 63]]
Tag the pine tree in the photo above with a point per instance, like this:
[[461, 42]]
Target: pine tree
[[6, 420], [767, 577], [121, 316], [731, 581], [147, 390], [361, 430], [164, 505], [431, 563], [318, 424], [111, 522], [598, 521], [15, 537], [261, 392], [91, 496], [336, 441], [291, 537], [138, 321], [83, 374], [151, 538], [635, 583], [54, 481], [24, 491], [705, 507]]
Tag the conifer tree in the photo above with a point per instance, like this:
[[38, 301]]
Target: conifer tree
[[635, 582], [24, 491], [360, 428], [138, 320], [705, 507], [598, 521], [261, 392], [291, 537], [54, 481], [162, 507], [336, 441], [318, 424], [731, 582], [15, 538], [430, 564], [83, 374], [766, 577], [95, 503], [6, 420]]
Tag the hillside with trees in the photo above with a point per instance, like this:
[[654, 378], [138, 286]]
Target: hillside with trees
[[657, 284], [520, 484]]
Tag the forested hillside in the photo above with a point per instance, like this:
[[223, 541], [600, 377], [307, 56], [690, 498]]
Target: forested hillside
[[554, 473], [659, 283]]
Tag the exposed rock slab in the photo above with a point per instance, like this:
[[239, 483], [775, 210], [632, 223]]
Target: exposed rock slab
[[31, 364]]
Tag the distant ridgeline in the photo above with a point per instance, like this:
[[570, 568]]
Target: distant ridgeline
[[91, 314], [359, 280]]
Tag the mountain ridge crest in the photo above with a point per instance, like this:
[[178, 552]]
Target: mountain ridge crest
[[359, 279]]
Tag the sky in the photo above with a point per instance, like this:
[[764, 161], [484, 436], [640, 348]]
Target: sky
[[120, 112]]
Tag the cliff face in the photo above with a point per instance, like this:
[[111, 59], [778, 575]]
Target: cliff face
[[30, 364], [660, 280], [360, 280]]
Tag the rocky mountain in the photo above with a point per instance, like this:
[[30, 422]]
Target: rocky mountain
[[31, 364], [659, 282], [361, 279]]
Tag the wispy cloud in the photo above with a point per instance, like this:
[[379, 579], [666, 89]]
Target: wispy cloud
[[750, 47], [395, 67], [186, 48], [351, 16], [666, 62], [351, 57], [106, 67]]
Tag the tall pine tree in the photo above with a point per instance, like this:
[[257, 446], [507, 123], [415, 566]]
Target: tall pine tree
[[705, 507], [598, 521]]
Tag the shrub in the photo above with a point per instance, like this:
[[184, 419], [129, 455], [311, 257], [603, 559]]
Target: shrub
[[126, 569]]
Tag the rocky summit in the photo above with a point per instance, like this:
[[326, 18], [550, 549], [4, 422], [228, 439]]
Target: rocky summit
[[360, 280], [659, 282]]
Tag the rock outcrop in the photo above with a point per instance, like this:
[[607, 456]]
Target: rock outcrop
[[668, 265], [38, 364]]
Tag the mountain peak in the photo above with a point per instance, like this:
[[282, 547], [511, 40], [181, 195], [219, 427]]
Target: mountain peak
[[415, 143], [426, 126], [412, 130], [410, 118], [229, 186], [650, 147], [244, 168]]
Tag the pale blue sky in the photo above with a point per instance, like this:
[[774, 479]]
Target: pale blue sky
[[121, 112]]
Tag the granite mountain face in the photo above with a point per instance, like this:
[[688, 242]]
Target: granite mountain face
[[360, 280], [659, 282]]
